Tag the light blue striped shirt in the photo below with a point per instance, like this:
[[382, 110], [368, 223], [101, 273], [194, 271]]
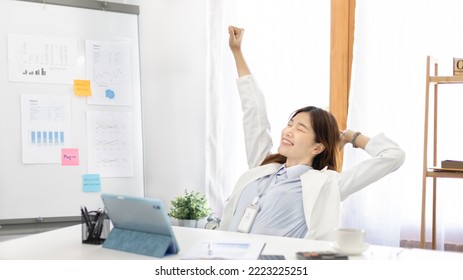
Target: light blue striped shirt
[[281, 209]]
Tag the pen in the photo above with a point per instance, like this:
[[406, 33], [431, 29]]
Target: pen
[[86, 218], [209, 247], [94, 229], [87, 215], [99, 224]]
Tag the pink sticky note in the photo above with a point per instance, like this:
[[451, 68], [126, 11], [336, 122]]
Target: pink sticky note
[[69, 157]]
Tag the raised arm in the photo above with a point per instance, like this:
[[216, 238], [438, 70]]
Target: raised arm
[[256, 126], [236, 36]]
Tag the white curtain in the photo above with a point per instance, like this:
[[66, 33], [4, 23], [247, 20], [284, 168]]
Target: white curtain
[[392, 40], [287, 46]]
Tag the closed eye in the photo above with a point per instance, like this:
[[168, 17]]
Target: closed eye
[[300, 126]]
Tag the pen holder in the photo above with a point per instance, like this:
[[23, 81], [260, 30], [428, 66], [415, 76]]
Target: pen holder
[[95, 227]]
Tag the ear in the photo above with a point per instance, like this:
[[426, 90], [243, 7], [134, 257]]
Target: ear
[[318, 148]]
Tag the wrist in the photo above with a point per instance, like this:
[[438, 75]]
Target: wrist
[[353, 140], [347, 135], [236, 51]]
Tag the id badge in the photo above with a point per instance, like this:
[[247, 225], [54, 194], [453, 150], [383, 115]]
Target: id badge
[[248, 218]]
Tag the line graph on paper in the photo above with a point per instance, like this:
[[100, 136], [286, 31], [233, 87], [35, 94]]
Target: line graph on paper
[[109, 66], [110, 143]]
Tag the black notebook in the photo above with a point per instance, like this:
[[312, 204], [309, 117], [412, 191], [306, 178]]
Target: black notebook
[[320, 255]]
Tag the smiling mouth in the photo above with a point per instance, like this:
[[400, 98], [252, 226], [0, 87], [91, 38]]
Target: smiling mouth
[[286, 141]]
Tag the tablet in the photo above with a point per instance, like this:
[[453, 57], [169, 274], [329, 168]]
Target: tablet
[[139, 224]]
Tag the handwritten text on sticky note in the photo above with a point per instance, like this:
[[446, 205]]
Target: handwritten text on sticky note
[[91, 183], [69, 157], [82, 88]]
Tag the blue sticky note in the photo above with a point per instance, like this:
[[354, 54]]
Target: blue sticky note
[[91, 183]]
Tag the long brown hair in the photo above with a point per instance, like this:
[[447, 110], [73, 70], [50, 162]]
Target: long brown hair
[[326, 132]]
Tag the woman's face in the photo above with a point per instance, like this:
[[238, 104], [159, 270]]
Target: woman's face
[[298, 141]]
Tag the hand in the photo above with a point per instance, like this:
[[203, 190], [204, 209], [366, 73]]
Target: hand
[[345, 137], [236, 36]]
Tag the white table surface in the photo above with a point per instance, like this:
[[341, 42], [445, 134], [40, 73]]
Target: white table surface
[[65, 244]]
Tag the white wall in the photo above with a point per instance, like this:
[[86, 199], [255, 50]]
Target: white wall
[[173, 64]]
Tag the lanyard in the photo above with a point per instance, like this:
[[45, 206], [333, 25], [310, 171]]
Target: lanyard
[[274, 181], [251, 211]]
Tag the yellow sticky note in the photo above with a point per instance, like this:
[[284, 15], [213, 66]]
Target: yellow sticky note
[[82, 88]]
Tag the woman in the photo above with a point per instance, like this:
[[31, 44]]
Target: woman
[[297, 192]]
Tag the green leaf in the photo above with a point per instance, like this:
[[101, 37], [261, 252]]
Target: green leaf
[[191, 206]]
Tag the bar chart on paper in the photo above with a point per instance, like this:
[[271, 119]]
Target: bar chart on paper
[[47, 115], [41, 59], [47, 137], [38, 72], [45, 123]]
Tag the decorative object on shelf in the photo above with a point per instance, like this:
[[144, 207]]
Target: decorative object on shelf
[[189, 208], [457, 66], [455, 164], [212, 222]]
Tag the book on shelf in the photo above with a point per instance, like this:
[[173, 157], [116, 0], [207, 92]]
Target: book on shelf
[[452, 164]]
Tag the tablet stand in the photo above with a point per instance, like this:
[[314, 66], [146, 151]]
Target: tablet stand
[[138, 242]]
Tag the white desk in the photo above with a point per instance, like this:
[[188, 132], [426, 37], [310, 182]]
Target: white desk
[[66, 243]]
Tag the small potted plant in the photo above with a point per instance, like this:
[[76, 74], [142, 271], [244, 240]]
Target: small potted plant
[[189, 208]]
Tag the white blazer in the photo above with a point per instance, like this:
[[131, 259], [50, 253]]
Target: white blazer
[[322, 191]]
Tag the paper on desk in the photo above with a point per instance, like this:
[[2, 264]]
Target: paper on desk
[[225, 250]]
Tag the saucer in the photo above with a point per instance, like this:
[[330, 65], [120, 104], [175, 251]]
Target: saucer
[[356, 251]]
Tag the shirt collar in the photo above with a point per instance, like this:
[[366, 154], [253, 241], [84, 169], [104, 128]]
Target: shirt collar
[[294, 171]]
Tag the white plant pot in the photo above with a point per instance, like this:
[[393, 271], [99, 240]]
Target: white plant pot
[[188, 223]]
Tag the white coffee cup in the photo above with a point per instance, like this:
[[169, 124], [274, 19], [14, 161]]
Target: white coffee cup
[[350, 238]]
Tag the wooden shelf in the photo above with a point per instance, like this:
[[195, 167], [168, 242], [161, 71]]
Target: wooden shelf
[[446, 79], [430, 134], [444, 174]]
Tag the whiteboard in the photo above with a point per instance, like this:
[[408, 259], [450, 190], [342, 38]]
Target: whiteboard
[[51, 189]]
